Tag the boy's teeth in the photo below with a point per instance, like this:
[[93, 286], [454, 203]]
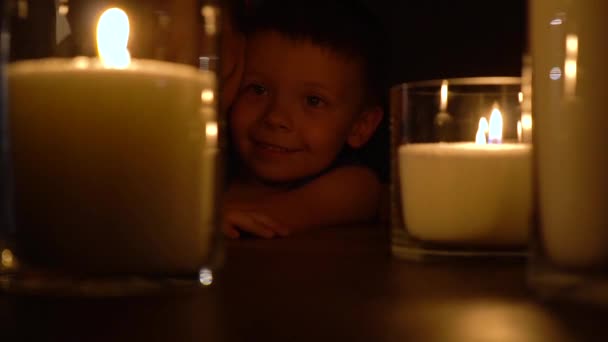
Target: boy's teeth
[[274, 148]]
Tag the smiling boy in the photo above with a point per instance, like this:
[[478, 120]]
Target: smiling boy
[[310, 97]]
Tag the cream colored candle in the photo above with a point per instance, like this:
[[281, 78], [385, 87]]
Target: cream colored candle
[[108, 161], [111, 163], [570, 104], [466, 193]]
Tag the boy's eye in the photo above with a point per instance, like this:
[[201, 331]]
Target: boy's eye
[[314, 101], [257, 89]]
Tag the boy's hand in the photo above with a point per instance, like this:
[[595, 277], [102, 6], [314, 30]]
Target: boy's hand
[[238, 220]]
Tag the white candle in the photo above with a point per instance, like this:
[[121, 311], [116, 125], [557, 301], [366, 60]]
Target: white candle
[[466, 193], [110, 162], [570, 128]]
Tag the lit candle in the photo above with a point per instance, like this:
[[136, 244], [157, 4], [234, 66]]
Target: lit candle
[[110, 171], [468, 193]]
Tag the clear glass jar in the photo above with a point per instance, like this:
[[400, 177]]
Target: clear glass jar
[[461, 174], [110, 144]]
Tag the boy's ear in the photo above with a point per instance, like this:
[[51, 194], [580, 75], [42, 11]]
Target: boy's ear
[[364, 127]]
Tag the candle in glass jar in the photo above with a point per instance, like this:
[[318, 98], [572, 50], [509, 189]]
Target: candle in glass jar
[[467, 193], [108, 157]]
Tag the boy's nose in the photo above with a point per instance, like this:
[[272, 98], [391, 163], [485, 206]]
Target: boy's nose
[[277, 117]]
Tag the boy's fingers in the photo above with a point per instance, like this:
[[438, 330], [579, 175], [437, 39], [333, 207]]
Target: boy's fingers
[[230, 232], [246, 222], [270, 224]]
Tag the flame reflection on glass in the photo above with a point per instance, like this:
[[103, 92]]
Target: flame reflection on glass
[[211, 131], [207, 96], [444, 96], [210, 15], [205, 276], [570, 64], [519, 131]]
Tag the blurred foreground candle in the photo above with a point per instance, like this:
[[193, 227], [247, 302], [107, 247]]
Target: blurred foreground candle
[[468, 193], [110, 158], [569, 53], [569, 254]]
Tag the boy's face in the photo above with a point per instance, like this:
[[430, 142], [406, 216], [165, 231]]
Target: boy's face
[[296, 108]]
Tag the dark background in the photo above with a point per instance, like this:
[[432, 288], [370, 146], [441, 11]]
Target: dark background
[[434, 39], [430, 38]]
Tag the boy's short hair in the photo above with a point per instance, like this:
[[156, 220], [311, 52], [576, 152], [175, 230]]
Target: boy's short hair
[[346, 27], [237, 11]]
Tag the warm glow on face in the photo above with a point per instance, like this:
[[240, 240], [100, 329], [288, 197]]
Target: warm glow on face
[[444, 96], [112, 38], [495, 127]]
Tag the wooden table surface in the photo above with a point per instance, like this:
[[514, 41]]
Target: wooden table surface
[[333, 284]]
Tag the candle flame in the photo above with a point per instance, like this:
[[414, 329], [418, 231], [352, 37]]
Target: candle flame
[[480, 137], [483, 125], [444, 96], [495, 127], [112, 38]]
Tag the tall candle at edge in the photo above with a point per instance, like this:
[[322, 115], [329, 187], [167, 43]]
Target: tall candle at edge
[[571, 124]]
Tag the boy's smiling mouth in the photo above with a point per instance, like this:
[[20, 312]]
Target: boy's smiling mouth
[[273, 148]]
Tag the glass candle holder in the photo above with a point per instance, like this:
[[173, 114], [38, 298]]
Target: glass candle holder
[[110, 145], [461, 173], [570, 77]]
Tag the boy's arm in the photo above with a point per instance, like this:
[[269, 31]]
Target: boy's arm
[[343, 195]]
